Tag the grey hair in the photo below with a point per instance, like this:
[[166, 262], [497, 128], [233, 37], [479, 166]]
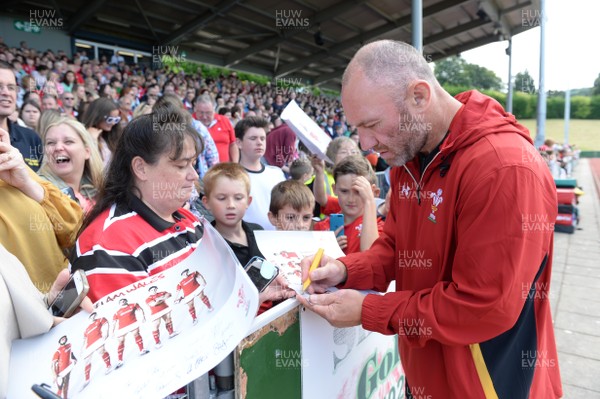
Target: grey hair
[[391, 64]]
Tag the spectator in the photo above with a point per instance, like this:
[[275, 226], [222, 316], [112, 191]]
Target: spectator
[[72, 161], [49, 101], [466, 269], [208, 156], [68, 105], [102, 119], [356, 190], [291, 207], [25, 140], [251, 137], [220, 128], [301, 170], [30, 114], [151, 175], [37, 222], [281, 147]]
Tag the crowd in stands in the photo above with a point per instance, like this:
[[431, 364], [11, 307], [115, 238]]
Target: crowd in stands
[[85, 141]]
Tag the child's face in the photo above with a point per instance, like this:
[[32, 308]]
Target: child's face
[[289, 219], [252, 146], [350, 201], [228, 201]]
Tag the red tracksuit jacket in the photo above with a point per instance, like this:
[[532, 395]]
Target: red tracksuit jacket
[[469, 244]]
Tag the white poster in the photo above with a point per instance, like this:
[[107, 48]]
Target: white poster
[[148, 339], [340, 363], [298, 245], [307, 130]]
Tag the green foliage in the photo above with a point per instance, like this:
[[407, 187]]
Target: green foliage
[[580, 107], [595, 107], [524, 82], [555, 107], [455, 71], [596, 88]]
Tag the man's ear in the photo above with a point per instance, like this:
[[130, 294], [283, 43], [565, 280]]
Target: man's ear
[[420, 95], [333, 188], [139, 168], [238, 142]]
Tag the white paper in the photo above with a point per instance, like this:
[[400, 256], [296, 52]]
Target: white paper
[[307, 130], [192, 352], [296, 246]]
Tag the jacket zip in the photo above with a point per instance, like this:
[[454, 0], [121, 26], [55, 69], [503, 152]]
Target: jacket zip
[[422, 175]]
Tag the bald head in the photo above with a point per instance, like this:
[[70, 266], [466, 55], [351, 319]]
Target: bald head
[[390, 64]]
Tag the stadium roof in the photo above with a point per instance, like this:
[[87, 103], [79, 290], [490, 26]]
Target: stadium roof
[[310, 41]]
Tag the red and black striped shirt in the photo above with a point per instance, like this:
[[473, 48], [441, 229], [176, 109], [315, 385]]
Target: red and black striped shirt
[[129, 242]]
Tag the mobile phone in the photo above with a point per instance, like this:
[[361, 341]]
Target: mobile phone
[[335, 221], [44, 391], [261, 272], [70, 297]]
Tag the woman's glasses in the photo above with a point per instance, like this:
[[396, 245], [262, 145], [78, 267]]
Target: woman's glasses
[[112, 119]]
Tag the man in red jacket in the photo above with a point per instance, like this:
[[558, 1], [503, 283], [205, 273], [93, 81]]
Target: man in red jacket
[[468, 238]]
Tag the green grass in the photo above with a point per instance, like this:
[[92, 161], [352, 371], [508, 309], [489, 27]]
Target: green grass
[[582, 132]]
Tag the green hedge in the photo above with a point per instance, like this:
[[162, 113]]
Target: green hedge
[[525, 104]]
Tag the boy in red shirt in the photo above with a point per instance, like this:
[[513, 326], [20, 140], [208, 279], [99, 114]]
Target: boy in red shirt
[[356, 190]]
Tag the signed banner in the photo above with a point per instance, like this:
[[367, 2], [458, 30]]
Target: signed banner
[[147, 339]]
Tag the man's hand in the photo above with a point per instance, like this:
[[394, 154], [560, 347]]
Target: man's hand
[[342, 308], [330, 272]]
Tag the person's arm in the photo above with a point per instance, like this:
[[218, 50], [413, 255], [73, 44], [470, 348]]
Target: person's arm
[[211, 154], [319, 182], [234, 153], [493, 261], [64, 214], [369, 232]]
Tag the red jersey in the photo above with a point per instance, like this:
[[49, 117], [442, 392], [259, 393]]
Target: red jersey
[[126, 315], [468, 267], [189, 284], [62, 358], [221, 130], [94, 331], [351, 231], [158, 300]]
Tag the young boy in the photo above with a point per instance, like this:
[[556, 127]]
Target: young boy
[[301, 170], [227, 197], [251, 139], [355, 187], [292, 205]]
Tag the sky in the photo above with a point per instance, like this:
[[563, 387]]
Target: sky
[[572, 55]]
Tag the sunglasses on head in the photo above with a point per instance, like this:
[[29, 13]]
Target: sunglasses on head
[[112, 119]]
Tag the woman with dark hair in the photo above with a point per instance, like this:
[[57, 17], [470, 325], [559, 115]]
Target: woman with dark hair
[[69, 81], [101, 119], [138, 212]]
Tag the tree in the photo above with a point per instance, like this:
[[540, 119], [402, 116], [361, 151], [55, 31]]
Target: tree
[[524, 82], [483, 78], [451, 71], [596, 89], [455, 71]]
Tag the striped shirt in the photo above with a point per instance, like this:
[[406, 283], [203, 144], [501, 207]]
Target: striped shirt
[[129, 242]]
